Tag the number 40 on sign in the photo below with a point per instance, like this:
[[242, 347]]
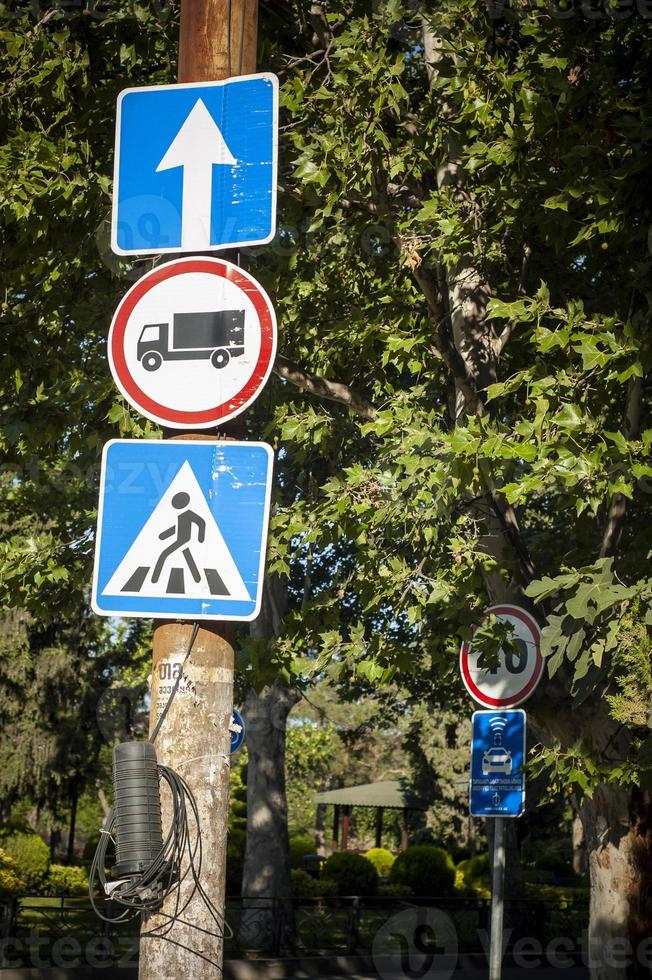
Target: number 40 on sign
[[517, 674]]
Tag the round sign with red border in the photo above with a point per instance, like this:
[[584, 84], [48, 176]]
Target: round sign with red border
[[517, 674], [193, 342]]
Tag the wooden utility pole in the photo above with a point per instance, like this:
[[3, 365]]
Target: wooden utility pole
[[217, 40]]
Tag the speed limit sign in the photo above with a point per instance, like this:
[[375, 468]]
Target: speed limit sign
[[519, 670]]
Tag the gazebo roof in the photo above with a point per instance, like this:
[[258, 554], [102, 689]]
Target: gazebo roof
[[389, 794]]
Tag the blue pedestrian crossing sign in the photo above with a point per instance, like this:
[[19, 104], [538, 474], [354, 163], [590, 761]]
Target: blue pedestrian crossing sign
[[195, 166], [182, 529], [497, 763]]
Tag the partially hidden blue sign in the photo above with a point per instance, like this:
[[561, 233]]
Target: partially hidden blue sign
[[182, 529], [237, 729], [195, 166], [497, 763]]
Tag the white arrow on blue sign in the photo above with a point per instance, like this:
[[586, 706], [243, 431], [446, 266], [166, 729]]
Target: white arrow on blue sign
[[182, 529], [195, 166], [497, 763]]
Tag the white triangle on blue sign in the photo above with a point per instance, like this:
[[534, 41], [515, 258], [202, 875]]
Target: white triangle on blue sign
[[180, 551]]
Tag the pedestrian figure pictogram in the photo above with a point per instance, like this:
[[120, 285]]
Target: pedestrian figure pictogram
[[183, 530], [204, 553]]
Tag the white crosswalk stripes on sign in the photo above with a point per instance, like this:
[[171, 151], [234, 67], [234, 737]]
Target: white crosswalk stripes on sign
[[180, 551]]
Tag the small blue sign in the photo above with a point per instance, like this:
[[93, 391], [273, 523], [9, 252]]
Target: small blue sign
[[182, 529], [195, 166], [237, 731], [497, 763]]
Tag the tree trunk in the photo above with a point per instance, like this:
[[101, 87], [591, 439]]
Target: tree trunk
[[267, 918], [618, 832], [320, 829], [578, 841], [101, 796]]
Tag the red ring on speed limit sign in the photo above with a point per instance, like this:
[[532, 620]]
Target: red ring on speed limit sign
[[505, 687]]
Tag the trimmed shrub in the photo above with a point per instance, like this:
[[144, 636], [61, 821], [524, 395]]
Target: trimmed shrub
[[11, 882], [31, 854], [299, 848], [476, 871], [382, 860], [351, 873], [425, 869], [65, 880], [305, 886]]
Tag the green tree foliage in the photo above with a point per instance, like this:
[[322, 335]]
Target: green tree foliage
[[62, 72], [438, 742], [237, 837], [305, 886], [301, 847], [475, 871], [336, 739], [408, 498], [54, 745]]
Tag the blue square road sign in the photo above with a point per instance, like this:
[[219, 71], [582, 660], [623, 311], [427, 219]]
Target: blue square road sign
[[182, 529], [195, 166], [497, 763]]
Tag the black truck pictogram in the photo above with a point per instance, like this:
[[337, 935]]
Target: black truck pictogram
[[194, 336]]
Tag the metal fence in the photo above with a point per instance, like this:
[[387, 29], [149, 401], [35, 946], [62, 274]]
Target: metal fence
[[42, 932]]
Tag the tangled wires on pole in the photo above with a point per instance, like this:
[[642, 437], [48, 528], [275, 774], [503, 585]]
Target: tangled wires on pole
[[150, 867], [181, 847]]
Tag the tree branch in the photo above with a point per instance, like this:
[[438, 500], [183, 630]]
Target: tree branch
[[443, 345], [500, 343], [335, 391]]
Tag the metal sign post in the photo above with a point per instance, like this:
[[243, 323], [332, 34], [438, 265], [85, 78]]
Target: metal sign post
[[497, 900]]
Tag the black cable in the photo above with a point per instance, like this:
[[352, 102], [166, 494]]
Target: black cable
[[157, 727]]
